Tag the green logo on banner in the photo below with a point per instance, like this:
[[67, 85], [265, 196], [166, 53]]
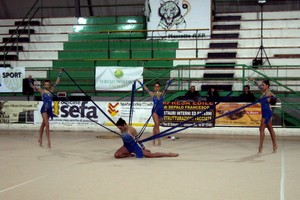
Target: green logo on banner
[[119, 73]]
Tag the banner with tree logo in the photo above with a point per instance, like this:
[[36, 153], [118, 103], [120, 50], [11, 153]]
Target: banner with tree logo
[[117, 78]]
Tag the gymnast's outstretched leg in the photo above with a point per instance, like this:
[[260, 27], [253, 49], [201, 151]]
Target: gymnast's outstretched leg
[[261, 135], [46, 125], [156, 130], [148, 154], [273, 136], [42, 127]]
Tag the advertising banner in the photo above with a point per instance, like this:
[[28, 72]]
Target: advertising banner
[[17, 111], [117, 78], [11, 79], [174, 18], [79, 112], [177, 112], [250, 116]]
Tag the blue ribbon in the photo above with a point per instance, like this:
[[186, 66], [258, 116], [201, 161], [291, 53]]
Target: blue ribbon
[[131, 103], [88, 117], [166, 133], [89, 98]]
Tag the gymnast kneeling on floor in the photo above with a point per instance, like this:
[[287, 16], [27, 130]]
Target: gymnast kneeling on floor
[[131, 147]]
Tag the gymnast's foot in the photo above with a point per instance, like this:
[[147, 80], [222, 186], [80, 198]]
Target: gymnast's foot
[[173, 154], [49, 145], [275, 148], [158, 142], [259, 150], [40, 142]]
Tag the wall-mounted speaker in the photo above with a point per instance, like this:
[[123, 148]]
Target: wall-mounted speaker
[[27, 90]]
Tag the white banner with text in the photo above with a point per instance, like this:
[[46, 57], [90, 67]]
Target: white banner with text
[[117, 78], [11, 79], [80, 112]]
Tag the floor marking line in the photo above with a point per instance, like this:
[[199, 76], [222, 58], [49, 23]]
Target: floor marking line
[[282, 181], [24, 183]]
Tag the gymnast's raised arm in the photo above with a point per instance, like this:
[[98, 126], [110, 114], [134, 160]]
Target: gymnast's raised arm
[[36, 89], [57, 80], [145, 88], [167, 86]]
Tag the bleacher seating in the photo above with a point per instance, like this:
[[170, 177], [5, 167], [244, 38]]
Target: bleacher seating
[[81, 44], [236, 40]]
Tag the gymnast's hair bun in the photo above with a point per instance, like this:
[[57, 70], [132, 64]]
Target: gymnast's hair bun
[[121, 122]]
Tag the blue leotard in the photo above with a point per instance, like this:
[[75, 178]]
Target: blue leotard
[[47, 104], [158, 106], [266, 109], [132, 145]]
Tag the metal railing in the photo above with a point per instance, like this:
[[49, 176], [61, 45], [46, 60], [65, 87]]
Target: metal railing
[[233, 6], [37, 6], [14, 38], [196, 35], [286, 112], [151, 81], [242, 72], [290, 114]]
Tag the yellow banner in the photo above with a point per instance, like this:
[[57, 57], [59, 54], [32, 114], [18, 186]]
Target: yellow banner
[[179, 112], [250, 116]]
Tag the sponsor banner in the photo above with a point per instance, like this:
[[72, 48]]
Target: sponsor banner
[[78, 112], [141, 112], [117, 78], [250, 116], [173, 18], [17, 111], [177, 112], [74, 112], [11, 79]]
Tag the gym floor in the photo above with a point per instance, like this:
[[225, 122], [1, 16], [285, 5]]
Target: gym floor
[[82, 166]]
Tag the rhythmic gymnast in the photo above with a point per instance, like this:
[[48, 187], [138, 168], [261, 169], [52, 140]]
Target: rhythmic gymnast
[[266, 111], [131, 147], [46, 110], [158, 107]]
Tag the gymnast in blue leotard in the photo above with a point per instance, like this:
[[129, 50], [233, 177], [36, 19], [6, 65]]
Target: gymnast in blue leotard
[[266, 120], [47, 104], [158, 107], [131, 147], [46, 110]]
